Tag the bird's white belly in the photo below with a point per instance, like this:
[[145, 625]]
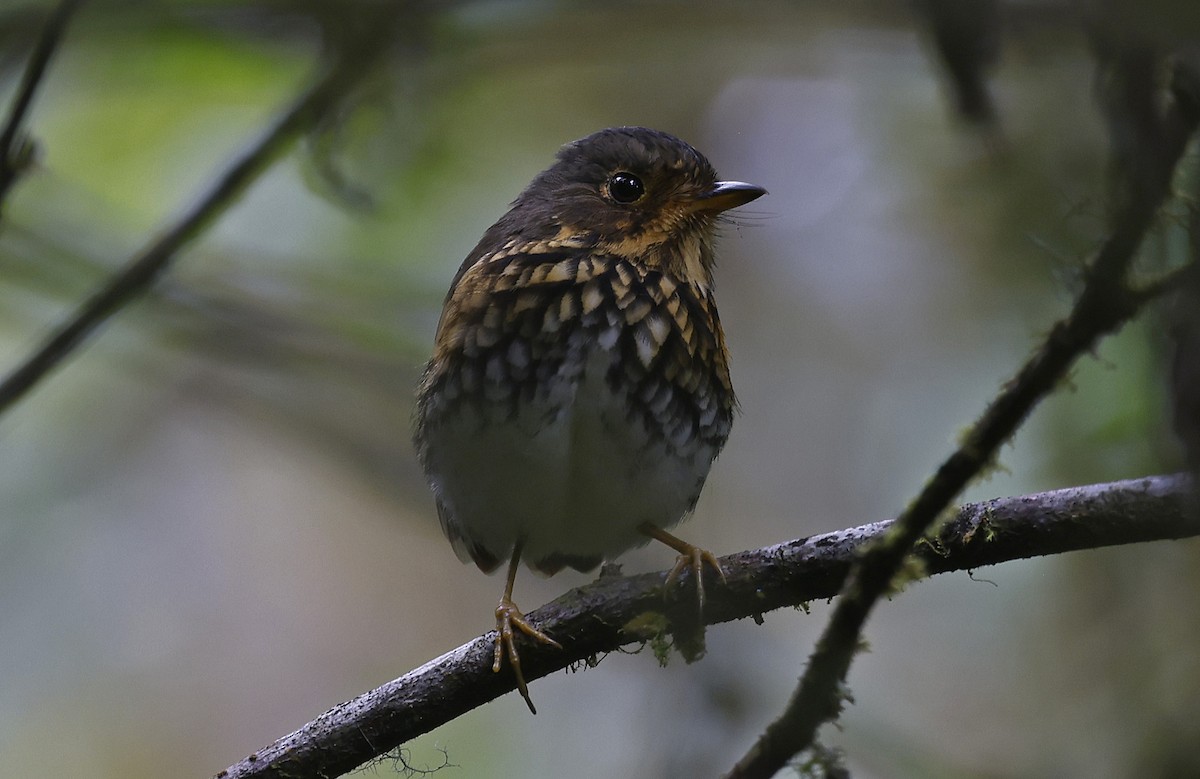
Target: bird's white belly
[[572, 472]]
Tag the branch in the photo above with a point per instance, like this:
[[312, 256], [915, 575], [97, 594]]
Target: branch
[[616, 611], [144, 268], [1104, 304], [15, 151]]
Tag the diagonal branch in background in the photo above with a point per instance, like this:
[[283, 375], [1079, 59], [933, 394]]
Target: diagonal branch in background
[[1104, 304], [16, 152], [144, 268], [605, 615]]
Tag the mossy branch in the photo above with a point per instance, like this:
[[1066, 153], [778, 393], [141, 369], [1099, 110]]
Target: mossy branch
[[615, 611]]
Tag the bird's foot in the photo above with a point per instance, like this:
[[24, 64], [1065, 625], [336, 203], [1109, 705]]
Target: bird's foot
[[508, 616], [691, 558]]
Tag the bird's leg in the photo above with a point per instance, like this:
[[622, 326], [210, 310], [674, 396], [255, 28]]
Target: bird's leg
[[690, 556], [509, 616]]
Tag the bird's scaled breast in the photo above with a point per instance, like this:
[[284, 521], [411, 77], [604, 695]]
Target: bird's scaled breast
[[572, 422]]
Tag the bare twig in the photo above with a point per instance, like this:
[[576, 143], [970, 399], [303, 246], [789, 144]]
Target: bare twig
[[612, 612], [144, 268], [1103, 305], [15, 152]]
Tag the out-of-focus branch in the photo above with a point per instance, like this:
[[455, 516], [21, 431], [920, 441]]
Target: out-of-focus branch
[[1105, 303], [16, 152], [144, 268], [1185, 373], [1185, 363], [616, 611], [965, 35]]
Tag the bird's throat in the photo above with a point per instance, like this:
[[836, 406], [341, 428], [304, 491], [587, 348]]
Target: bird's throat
[[686, 256]]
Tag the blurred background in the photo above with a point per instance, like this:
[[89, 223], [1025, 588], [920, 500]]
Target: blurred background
[[213, 527]]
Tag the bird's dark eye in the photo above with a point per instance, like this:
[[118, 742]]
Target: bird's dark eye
[[625, 188]]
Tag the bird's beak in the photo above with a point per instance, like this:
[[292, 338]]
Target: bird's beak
[[726, 195]]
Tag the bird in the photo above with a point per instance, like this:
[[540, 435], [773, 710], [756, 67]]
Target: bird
[[579, 388]]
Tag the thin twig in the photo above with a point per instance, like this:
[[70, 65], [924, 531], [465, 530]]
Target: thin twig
[[145, 267], [14, 155], [1103, 305], [1173, 280], [615, 611]]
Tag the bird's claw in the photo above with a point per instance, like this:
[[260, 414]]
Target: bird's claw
[[693, 558], [509, 616]]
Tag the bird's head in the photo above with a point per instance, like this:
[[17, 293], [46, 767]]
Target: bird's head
[[635, 193]]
